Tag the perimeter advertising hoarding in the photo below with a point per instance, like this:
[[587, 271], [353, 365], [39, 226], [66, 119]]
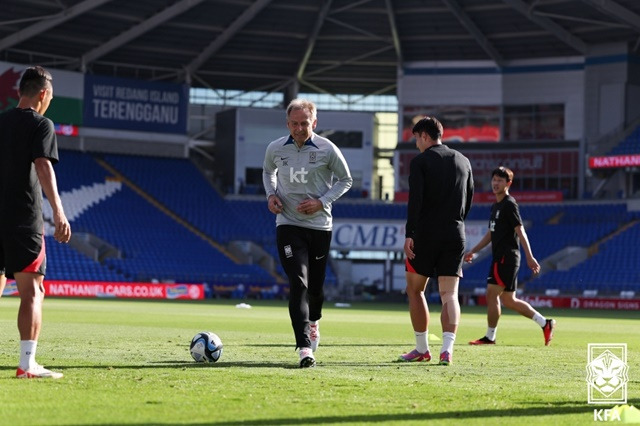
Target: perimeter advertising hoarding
[[104, 289], [118, 103], [576, 302], [523, 163], [614, 161], [526, 164], [522, 197], [387, 235]]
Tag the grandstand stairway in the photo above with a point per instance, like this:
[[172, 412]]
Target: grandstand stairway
[[608, 266], [164, 209]]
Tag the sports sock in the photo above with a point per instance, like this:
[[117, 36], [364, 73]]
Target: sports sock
[[28, 353], [491, 333], [306, 352], [539, 319], [447, 342], [422, 341]]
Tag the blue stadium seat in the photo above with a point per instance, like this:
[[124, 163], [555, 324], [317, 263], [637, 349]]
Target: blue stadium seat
[[155, 246], [629, 145]]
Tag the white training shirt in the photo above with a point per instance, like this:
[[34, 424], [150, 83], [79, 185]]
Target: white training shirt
[[296, 174]]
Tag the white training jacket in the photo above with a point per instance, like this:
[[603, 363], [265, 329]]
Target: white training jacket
[[317, 170]]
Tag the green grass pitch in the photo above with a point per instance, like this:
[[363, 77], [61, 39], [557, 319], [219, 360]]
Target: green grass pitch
[[128, 362]]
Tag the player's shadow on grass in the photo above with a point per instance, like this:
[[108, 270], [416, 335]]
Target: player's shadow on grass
[[232, 364], [327, 345], [287, 365], [182, 364], [545, 409], [167, 364]]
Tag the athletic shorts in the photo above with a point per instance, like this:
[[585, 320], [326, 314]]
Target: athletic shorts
[[504, 273], [434, 259], [22, 253]]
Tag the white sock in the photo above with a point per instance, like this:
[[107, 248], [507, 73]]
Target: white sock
[[539, 319], [491, 333], [28, 353], [306, 352], [447, 342], [422, 341]]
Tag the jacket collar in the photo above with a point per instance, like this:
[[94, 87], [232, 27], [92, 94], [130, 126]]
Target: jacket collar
[[308, 142]]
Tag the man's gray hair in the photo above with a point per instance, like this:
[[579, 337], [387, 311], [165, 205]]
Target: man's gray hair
[[302, 104]]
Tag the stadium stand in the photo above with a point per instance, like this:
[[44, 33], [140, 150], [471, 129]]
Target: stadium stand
[[370, 211], [553, 228], [629, 145], [170, 225], [613, 269], [65, 263], [154, 246]]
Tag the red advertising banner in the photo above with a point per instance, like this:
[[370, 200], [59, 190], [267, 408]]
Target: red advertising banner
[[523, 163], [489, 197], [66, 129], [577, 302], [522, 197], [401, 197], [561, 167], [614, 161], [104, 289]]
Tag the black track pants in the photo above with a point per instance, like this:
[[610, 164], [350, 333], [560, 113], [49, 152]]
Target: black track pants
[[303, 254]]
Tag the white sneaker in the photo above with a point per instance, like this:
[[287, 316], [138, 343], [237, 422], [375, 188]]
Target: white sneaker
[[314, 335], [306, 358], [37, 372]]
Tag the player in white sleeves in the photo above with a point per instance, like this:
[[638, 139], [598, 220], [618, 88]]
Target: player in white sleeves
[[303, 174]]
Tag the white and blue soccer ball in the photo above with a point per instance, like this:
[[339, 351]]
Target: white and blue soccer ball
[[206, 347]]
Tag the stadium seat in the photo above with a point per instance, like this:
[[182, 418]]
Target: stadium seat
[[156, 246]]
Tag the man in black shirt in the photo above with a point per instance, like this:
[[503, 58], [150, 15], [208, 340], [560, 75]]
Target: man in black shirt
[[505, 234], [28, 148], [440, 195]]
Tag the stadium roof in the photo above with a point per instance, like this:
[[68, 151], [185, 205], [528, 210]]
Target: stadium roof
[[328, 46]]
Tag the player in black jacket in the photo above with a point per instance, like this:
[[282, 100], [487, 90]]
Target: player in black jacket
[[505, 234], [440, 194]]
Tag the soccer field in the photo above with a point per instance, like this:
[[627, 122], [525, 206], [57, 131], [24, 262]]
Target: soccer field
[[128, 362]]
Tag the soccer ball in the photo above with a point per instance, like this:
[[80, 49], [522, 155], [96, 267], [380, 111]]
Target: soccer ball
[[206, 347]]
